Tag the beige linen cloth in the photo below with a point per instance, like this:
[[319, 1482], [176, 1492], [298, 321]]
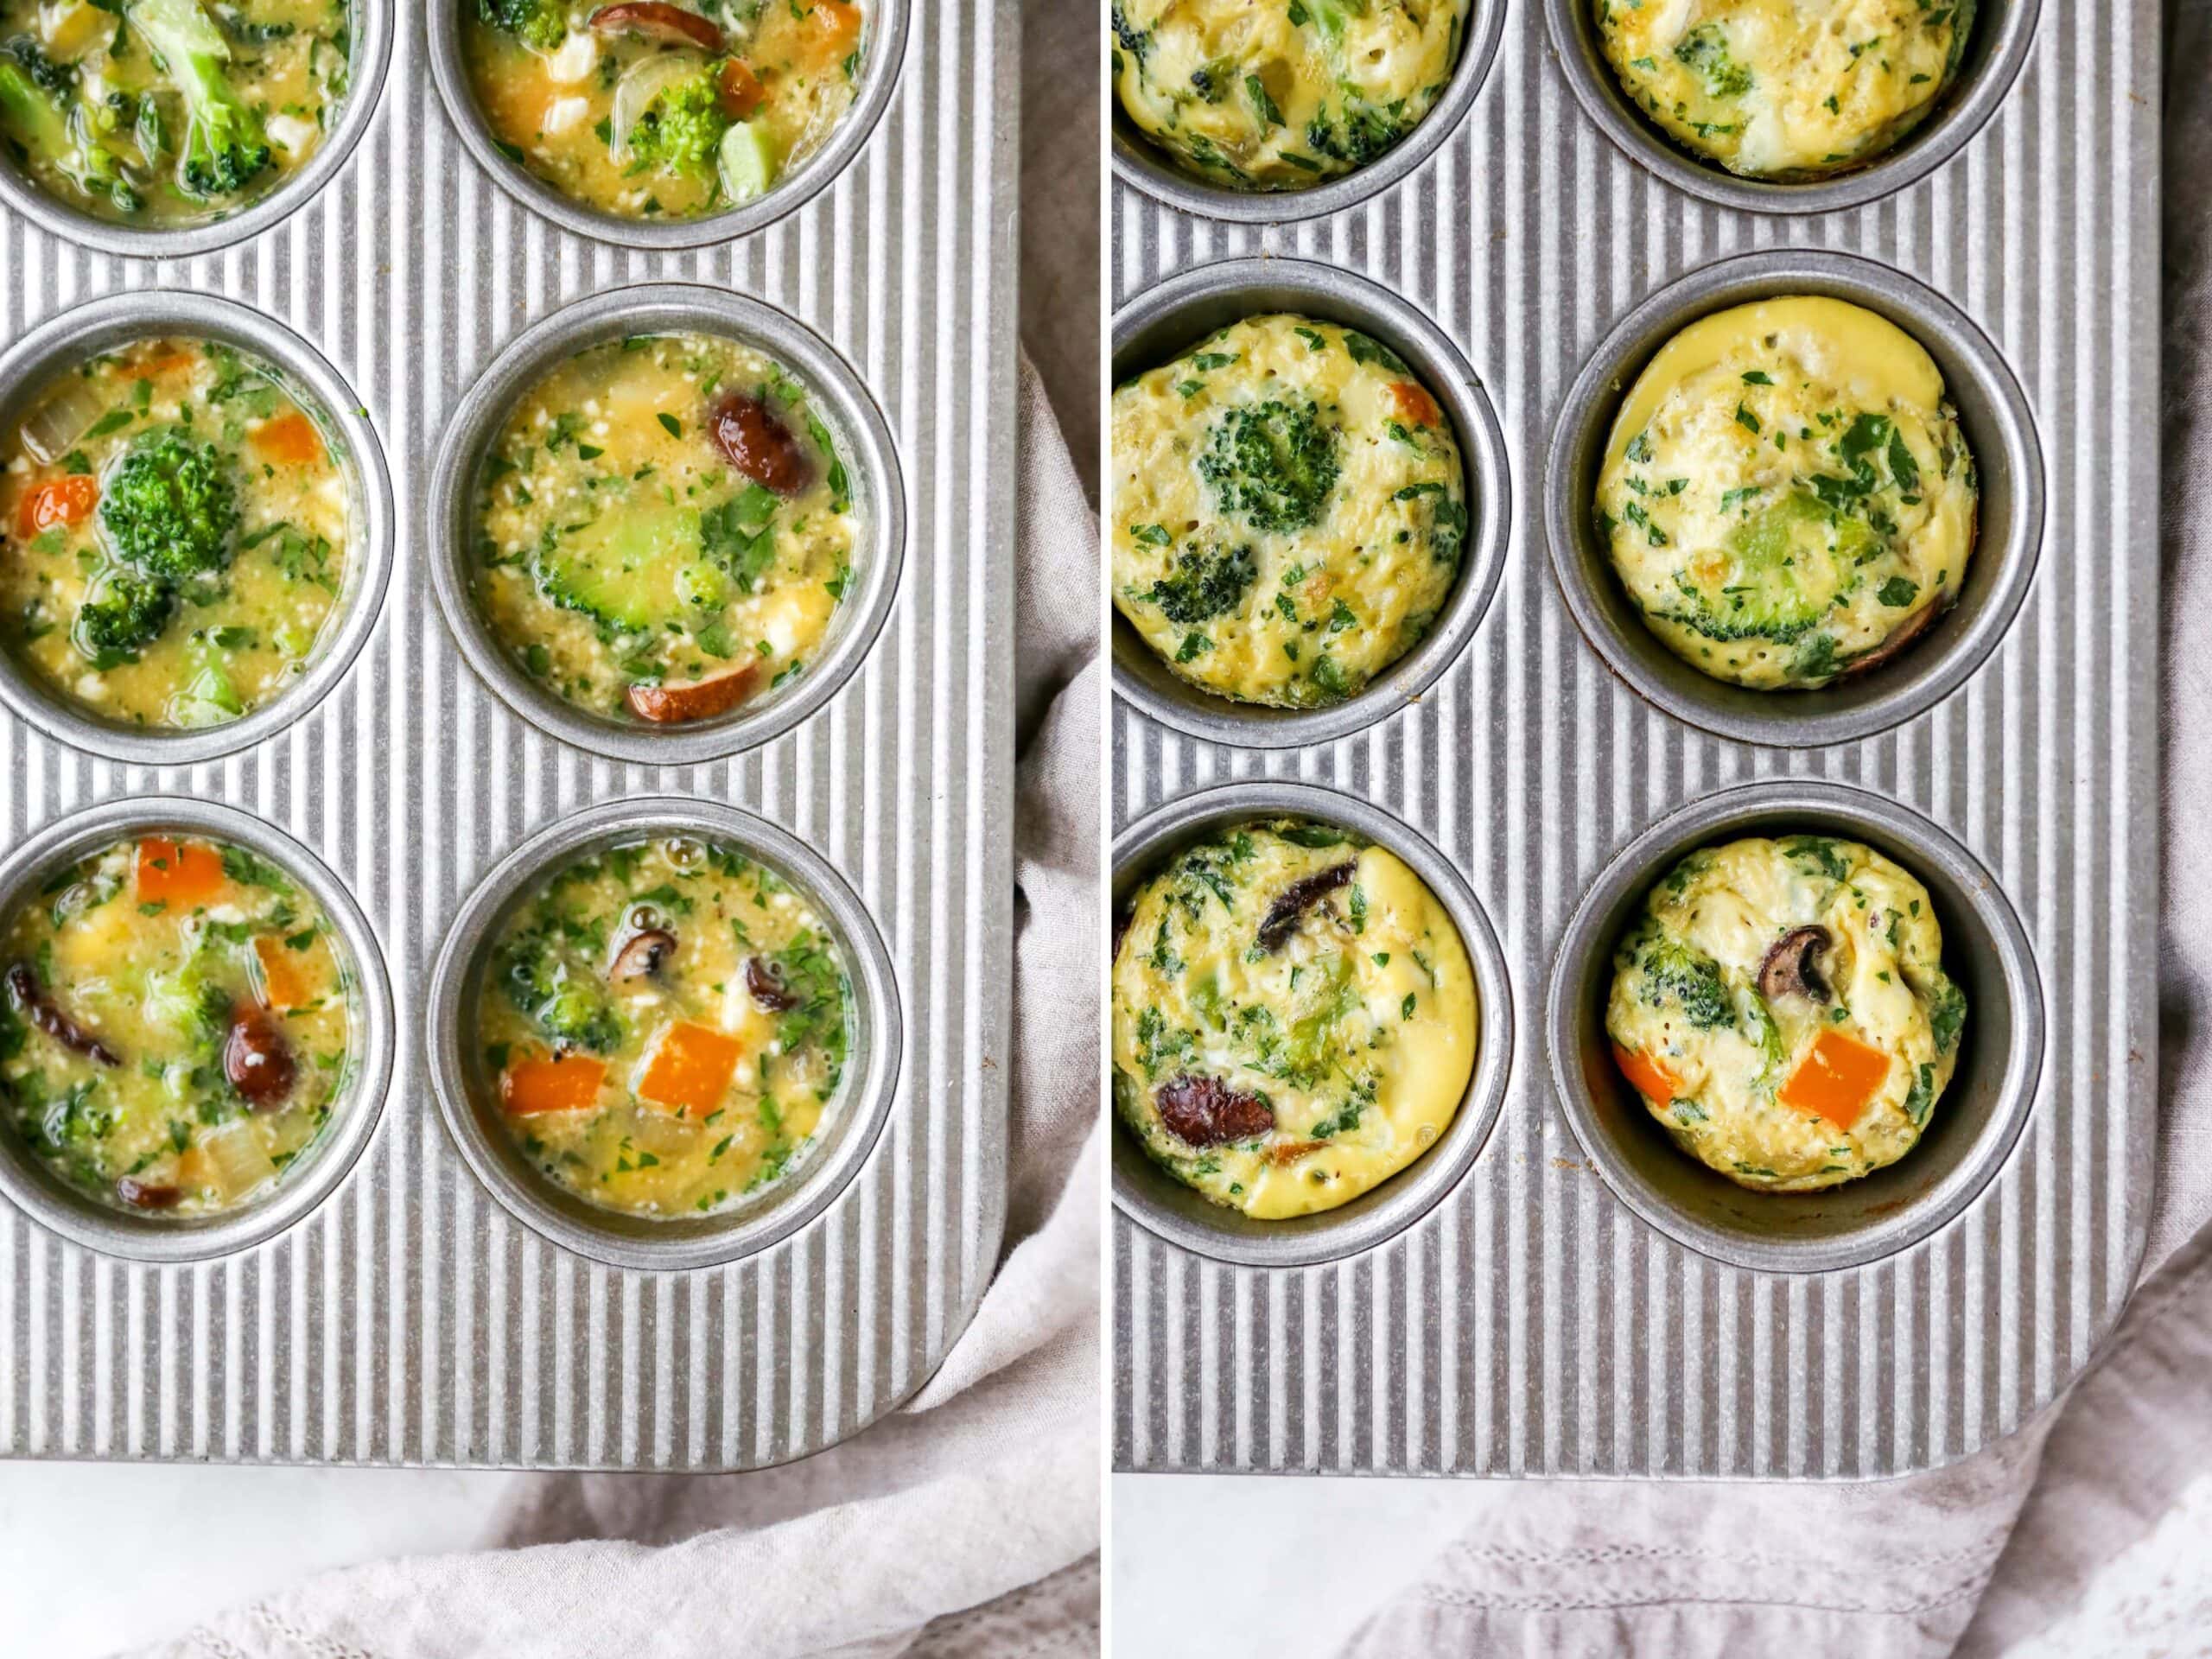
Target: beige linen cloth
[[1994, 1552], [966, 1522]]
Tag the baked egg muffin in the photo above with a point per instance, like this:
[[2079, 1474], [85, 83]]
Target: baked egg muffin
[[1288, 512], [1283, 95], [1786, 493], [1294, 1018], [1785, 90], [1781, 1008]]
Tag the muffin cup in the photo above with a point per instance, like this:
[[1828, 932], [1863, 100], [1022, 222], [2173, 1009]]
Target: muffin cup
[[1155, 1200], [1138, 162], [101, 325], [371, 55], [469, 1098], [834, 395], [308, 1179], [2003, 35], [1158, 326], [1977, 1120], [882, 52], [1993, 414]]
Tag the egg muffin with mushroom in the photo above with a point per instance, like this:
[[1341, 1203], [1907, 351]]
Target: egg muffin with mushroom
[[1782, 1008], [1288, 511], [1786, 493], [1282, 96], [1294, 1018], [1785, 90]]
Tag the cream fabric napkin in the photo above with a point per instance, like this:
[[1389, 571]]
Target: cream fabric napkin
[[1987, 1555]]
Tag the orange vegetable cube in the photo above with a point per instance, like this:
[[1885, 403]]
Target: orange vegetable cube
[[58, 501], [840, 23], [283, 984], [1414, 404], [738, 90], [1651, 1079], [1837, 1079], [290, 439], [690, 1069], [187, 873], [560, 1083]]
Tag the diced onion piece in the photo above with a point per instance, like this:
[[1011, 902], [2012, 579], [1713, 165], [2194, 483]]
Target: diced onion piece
[[56, 425], [641, 89], [576, 57], [233, 1156]]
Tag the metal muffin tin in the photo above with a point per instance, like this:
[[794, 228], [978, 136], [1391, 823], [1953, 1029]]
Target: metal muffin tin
[[835, 394], [410, 1317], [883, 51], [469, 1097], [1149, 1196], [29, 369], [1166, 321], [1589, 1310], [1993, 416], [2003, 37], [308, 1179], [368, 59]]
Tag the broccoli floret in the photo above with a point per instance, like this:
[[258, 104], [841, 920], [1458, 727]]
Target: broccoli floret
[[569, 1002], [1675, 972], [121, 614], [1356, 132], [540, 24], [1704, 52], [1205, 582], [1274, 463], [684, 127], [226, 146], [170, 506], [57, 80], [1137, 43], [1792, 564], [36, 96]]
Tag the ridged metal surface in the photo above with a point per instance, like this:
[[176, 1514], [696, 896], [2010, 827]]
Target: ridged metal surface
[[1533, 1324], [411, 1320]]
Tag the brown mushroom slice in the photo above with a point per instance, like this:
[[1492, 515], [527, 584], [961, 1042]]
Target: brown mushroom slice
[[1294, 901], [675, 705], [46, 1014], [656, 20], [765, 981], [755, 440], [1289, 1152], [643, 954], [1907, 630], [1791, 966], [1206, 1112], [257, 1059], [147, 1195]]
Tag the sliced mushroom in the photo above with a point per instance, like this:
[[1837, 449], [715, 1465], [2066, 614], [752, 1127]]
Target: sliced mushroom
[[1791, 966], [765, 982], [1907, 630], [1294, 901], [146, 1195], [674, 705], [257, 1059], [642, 953], [1289, 1152], [755, 440], [43, 1012], [656, 20], [1206, 1112]]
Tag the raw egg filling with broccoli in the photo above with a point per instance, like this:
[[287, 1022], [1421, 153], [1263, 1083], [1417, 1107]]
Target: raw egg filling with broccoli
[[176, 1025], [666, 1024], [175, 531], [1289, 514], [665, 530], [656, 111], [1781, 1007], [169, 113]]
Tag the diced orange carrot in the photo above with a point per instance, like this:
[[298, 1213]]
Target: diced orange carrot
[[738, 92], [690, 1069], [1651, 1079], [290, 439], [840, 23], [58, 501], [562, 1083], [1837, 1079], [187, 873], [283, 983], [1414, 404], [172, 356]]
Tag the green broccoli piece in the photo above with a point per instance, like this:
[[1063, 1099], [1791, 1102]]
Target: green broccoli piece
[[1137, 43], [1205, 582], [1675, 972], [170, 506], [226, 146], [1795, 562], [1947, 1011], [36, 100], [1704, 52], [540, 24], [683, 129], [568, 1002], [1274, 463], [1358, 132], [123, 612]]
